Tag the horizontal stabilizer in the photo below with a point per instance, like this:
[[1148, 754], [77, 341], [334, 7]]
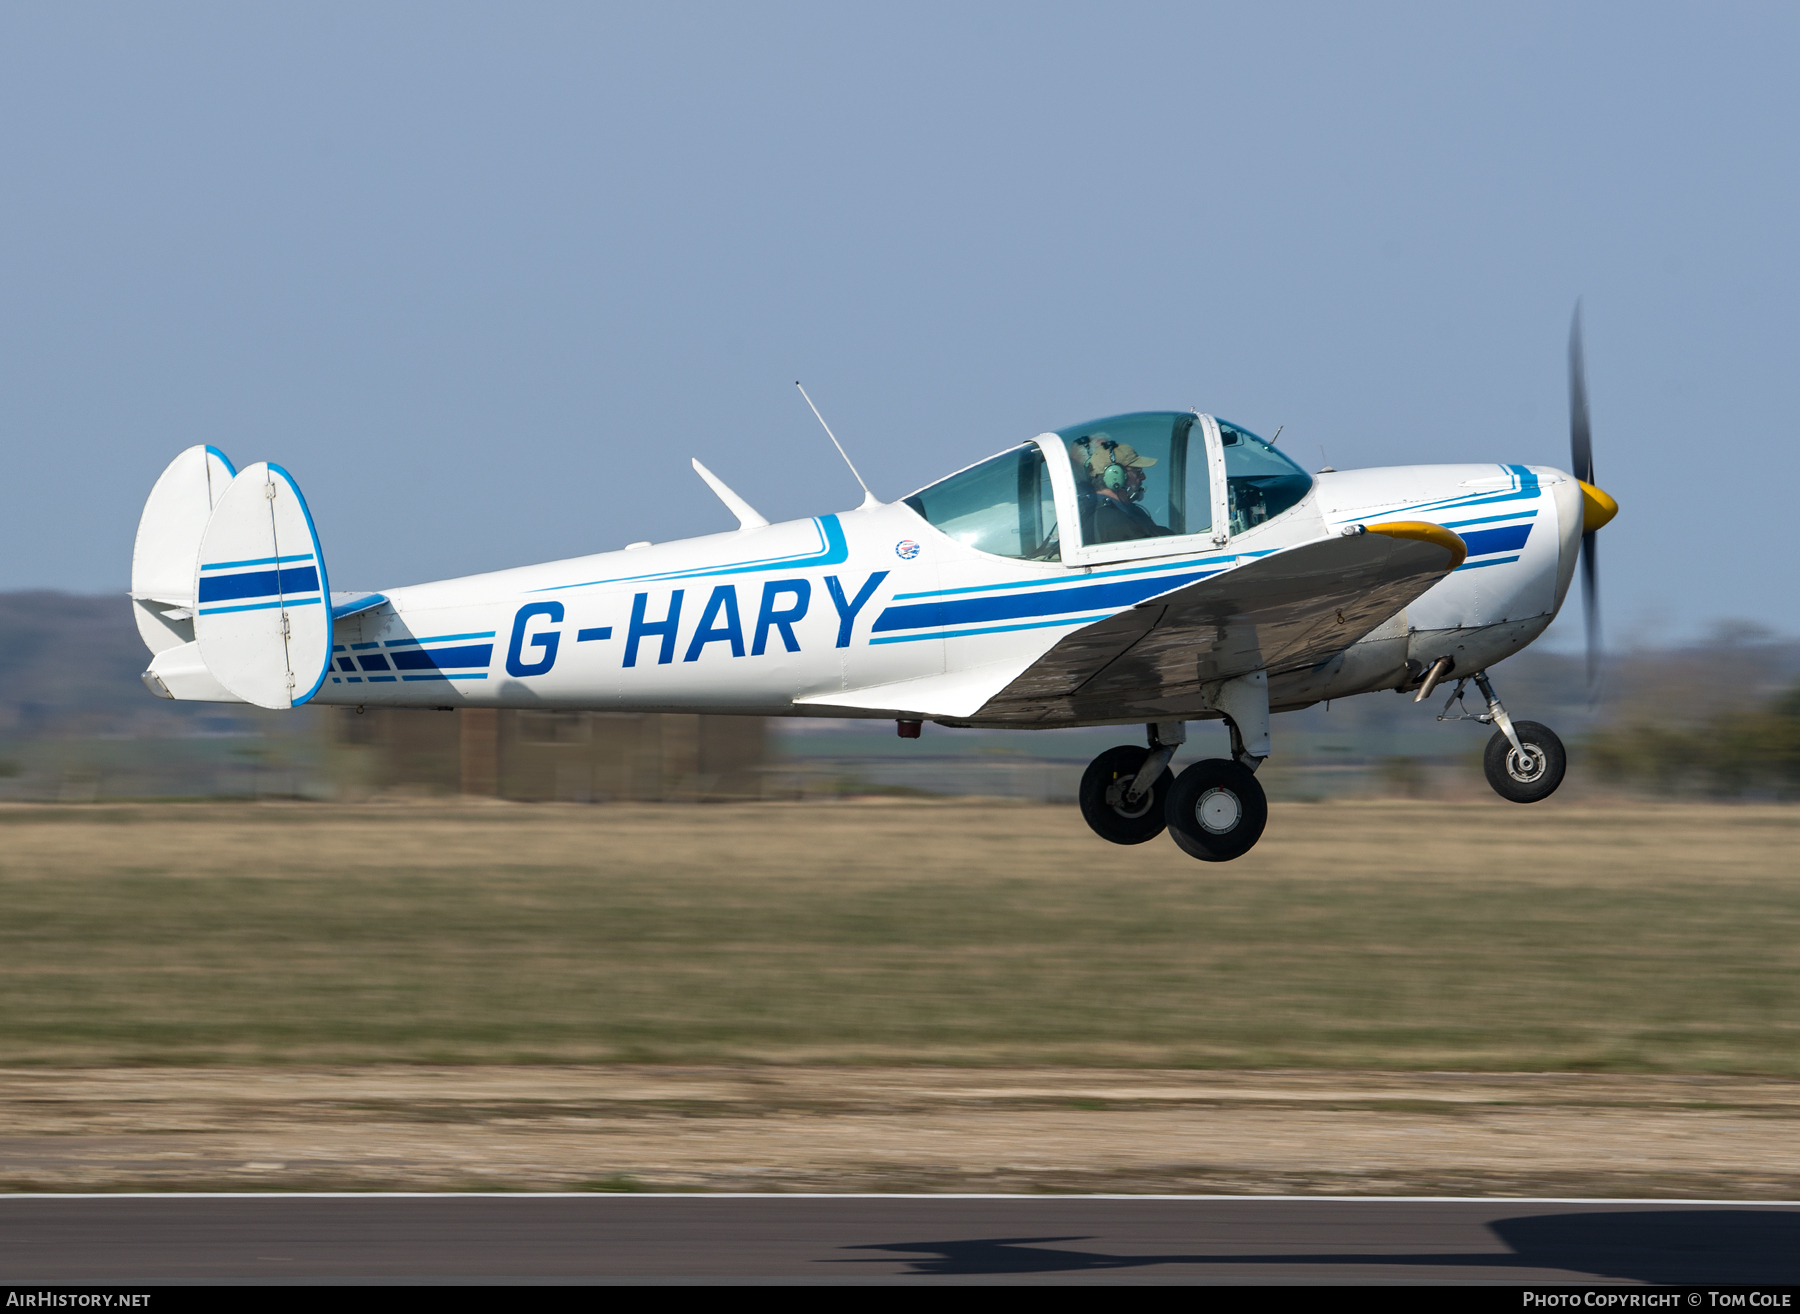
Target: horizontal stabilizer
[[354, 604], [181, 673], [262, 614], [168, 543]]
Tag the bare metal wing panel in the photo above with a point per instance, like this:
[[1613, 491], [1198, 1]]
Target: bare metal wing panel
[[1162, 659]]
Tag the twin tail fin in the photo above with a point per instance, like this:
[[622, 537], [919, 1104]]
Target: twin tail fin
[[229, 585]]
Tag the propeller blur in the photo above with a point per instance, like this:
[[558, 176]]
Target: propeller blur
[[1598, 508]]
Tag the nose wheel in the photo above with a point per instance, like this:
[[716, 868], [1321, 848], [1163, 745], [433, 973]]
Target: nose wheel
[[1529, 772], [1524, 761]]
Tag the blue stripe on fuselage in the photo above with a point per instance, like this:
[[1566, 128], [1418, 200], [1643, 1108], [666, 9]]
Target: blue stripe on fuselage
[[974, 611], [1066, 578], [1526, 487], [437, 659], [1488, 520], [996, 629], [1508, 538]]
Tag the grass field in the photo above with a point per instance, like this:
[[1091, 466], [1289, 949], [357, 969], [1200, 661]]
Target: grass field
[[1370, 935]]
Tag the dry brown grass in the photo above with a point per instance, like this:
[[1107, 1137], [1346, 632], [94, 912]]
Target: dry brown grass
[[810, 1128]]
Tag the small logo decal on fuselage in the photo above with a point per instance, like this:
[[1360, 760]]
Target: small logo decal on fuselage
[[906, 549]]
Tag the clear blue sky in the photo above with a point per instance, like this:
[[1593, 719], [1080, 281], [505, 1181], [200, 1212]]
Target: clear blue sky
[[485, 277]]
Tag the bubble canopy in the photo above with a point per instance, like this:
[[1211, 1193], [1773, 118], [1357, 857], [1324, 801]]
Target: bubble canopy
[[1144, 475]]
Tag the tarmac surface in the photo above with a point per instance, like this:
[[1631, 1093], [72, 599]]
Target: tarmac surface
[[282, 1238]]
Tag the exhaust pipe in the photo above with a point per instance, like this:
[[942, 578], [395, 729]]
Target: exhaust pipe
[[1439, 669]]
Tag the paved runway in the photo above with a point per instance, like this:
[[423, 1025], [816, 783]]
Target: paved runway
[[906, 1239]]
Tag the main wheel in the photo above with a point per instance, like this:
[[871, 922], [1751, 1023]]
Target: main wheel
[[1216, 810], [1104, 805], [1527, 778]]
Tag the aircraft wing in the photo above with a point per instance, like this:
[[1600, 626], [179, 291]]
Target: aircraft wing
[[1286, 611], [1162, 659]]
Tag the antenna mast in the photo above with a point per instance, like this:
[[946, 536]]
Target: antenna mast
[[869, 498]]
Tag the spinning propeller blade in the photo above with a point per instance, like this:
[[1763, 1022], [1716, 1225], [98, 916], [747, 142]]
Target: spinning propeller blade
[[1581, 446], [1581, 465]]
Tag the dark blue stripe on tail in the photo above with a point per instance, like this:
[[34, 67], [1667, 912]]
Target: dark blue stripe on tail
[[259, 584]]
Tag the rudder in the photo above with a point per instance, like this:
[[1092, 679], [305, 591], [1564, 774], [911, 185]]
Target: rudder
[[262, 613]]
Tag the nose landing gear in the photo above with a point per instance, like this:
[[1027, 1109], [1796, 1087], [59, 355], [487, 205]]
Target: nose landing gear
[[1524, 761], [1530, 772]]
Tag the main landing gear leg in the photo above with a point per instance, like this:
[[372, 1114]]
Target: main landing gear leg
[[1245, 702], [1524, 761], [1217, 810]]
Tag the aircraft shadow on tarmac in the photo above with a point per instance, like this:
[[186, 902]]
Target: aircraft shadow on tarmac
[[1663, 1246]]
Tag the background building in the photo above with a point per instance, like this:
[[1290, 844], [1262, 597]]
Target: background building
[[533, 756]]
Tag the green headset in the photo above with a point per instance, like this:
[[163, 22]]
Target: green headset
[[1113, 477]]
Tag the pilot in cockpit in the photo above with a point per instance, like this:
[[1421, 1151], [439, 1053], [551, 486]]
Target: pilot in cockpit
[[1115, 474]]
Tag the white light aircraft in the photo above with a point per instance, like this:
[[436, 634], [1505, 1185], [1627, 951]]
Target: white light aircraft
[[1154, 568]]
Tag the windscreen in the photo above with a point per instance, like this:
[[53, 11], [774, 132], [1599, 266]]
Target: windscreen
[[1003, 505], [1262, 483]]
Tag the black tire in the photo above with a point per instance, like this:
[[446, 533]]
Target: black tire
[[1527, 781], [1217, 810], [1103, 804]]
